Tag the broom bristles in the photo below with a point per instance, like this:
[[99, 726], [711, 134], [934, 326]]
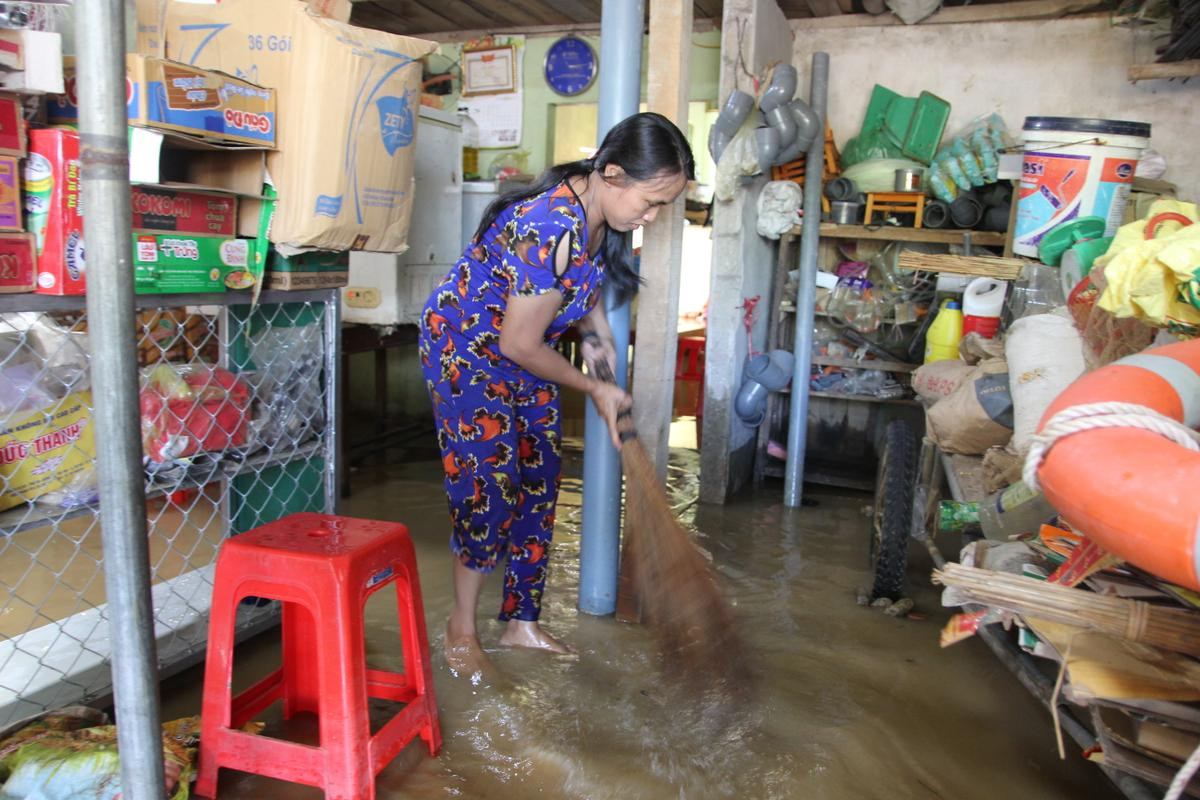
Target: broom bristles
[[681, 598]]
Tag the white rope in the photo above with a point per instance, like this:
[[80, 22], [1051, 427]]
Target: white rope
[[1093, 416], [1184, 776]]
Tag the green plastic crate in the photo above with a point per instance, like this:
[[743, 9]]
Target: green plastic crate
[[276, 492], [925, 128]]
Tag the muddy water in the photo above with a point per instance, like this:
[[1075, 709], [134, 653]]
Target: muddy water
[[849, 703]]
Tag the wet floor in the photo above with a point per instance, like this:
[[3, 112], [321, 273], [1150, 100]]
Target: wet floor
[[849, 703]]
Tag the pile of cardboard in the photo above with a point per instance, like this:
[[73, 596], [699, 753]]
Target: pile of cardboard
[[262, 150], [347, 100]]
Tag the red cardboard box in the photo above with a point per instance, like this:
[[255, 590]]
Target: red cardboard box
[[10, 195], [17, 263], [161, 209], [52, 209], [12, 126]]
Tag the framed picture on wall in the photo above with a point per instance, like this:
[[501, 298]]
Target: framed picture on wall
[[491, 70]]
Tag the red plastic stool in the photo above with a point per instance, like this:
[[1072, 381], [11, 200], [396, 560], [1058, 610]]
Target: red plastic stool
[[322, 568], [689, 367]]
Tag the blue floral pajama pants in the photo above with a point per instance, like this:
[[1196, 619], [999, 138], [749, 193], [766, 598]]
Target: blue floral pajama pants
[[501, 452]]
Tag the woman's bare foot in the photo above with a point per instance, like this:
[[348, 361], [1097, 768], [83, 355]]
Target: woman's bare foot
[[527, 633], [464, 653]]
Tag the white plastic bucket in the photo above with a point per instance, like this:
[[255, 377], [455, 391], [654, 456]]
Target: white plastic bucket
[[1075, 167]]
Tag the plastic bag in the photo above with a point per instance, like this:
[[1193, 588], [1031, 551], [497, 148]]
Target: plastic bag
[[779, 205], [969, 158], [192, 409], [290, 401], [1150, 278]]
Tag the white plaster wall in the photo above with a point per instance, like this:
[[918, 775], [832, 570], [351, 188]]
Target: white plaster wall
[[1067, 67], [742, 261]]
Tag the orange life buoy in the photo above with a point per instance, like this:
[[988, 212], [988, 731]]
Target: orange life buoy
[[1133, 492]]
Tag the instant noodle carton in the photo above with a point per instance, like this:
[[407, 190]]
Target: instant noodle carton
[[183, 99]]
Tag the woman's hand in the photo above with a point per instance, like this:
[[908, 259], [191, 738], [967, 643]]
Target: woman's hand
[[610, 401], [595, 351]]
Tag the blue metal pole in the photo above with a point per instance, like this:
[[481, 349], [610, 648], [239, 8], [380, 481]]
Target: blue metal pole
[[621, 24], [793, 479]]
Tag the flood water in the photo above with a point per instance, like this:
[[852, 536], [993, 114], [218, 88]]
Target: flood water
[[849, 703]]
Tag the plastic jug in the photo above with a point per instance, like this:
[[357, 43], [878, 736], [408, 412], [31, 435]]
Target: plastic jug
[[941, 341], [983, 302]]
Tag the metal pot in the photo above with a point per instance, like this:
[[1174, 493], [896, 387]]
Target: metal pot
[[842, 212], [908, 179]]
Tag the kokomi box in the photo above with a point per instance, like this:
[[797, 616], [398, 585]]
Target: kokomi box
[[166, 209], [347, 100], [183, 99], [53, 211]]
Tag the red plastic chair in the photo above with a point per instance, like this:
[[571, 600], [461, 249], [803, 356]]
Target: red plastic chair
[[322, 568]]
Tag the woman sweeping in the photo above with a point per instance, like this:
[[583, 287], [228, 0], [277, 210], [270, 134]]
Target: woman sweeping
[[536, 266]]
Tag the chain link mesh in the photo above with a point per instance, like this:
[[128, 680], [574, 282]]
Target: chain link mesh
[[233, 404]]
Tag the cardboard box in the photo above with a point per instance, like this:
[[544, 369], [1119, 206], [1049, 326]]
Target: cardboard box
[[52, 209], [175, 264], [176, 210], [317, 269], [18, 263], [150, 23], [181, 99], [10, 195], [12, 126], [46, 450], [42, 65], [347, 100]]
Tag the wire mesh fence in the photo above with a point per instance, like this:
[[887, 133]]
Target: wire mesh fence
[[235, 403]]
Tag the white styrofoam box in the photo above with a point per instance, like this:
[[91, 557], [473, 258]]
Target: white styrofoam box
[[389, 289], [42, 73]]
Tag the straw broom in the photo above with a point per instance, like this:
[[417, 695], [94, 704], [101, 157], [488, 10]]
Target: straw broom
[[684, 604], [1174, 629]]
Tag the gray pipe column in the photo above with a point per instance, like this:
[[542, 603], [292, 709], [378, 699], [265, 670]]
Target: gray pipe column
[[806, 295], [104, 153], [621, 25]]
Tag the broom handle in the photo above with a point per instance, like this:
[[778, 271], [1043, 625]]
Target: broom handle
[[625, 427]]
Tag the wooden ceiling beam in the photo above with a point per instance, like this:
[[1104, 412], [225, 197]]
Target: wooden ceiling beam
[[397, 16], [994, 12], [588, 29]]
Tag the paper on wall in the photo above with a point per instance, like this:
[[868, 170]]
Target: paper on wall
[[498, 117]]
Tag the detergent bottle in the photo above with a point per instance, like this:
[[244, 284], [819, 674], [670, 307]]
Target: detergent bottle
[[983, 302], [941, 341]]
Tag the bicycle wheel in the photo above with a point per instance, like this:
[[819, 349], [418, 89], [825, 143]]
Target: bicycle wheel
[[892, 517]]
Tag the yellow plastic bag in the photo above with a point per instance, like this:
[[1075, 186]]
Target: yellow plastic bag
[[1143, 277]]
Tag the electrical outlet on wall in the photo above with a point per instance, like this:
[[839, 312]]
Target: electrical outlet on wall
[[362, 297]]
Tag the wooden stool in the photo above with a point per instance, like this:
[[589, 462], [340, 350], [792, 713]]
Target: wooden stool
[[322, 568], [897, 203]]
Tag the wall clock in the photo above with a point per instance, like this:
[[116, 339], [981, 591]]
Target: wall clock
[[571, 66]]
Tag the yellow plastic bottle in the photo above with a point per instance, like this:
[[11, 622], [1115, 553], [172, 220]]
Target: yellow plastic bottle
[[941, 341]]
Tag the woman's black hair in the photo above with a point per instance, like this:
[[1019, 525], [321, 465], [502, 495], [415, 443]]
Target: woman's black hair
[[645, 146]]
